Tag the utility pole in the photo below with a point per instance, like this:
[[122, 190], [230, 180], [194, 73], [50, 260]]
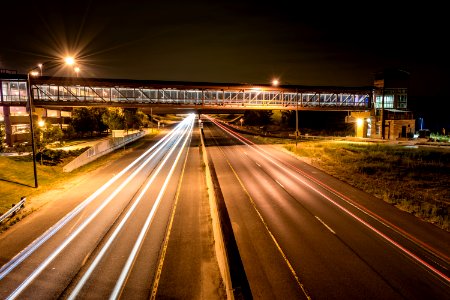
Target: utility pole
[[297, 133], [30, 112], [382, 115]]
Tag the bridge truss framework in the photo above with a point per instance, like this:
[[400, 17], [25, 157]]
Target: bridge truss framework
[[58, 92]]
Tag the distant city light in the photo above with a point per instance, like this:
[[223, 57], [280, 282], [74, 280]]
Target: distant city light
[[34, 73], [275, 82]]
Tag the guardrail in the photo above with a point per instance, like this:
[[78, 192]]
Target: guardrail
[[16, 207]]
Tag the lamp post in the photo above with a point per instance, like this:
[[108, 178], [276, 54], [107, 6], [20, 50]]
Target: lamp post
[[297, 133], [30, 113], [68, 61]]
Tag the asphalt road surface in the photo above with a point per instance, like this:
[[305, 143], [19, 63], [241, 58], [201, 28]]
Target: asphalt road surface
[[144, 233], [303, 234]]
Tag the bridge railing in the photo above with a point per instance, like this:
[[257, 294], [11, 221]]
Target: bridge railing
[[247, 98], [61, 94]]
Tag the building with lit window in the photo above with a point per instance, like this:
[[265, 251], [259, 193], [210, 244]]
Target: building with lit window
[[14, 115], [389, 118]]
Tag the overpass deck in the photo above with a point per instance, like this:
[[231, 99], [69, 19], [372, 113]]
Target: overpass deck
[[61, 92]]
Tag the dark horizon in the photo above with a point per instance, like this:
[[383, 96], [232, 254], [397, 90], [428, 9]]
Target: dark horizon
[[323, 44]]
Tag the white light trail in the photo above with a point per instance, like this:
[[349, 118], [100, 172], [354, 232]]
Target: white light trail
[[15, 261], [83, 225], [127, 268], [111, 239]]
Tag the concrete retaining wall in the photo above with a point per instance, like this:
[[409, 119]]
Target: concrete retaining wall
[[100, 149]]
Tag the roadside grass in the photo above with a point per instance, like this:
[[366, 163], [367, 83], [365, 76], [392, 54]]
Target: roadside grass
[[17, 178], [416, 180]]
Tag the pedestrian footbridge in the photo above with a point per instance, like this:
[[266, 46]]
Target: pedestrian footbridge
[[178, 96]]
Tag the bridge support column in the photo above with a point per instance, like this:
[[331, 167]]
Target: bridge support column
[[8, 127]]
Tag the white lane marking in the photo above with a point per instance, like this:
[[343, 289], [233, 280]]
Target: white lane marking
[[277, 245], [279, 183], [324, 224], [343, 197]]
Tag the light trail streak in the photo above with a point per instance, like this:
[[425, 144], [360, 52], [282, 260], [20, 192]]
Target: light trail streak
[[15, 261], [73, 235], [127, 268], [270, 158], [116, 232]]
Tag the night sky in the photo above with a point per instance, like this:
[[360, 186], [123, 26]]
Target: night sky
[[232, 41]]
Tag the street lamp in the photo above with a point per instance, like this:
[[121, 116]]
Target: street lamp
[[69, 61], [30, 113], [77, 70], [297, 133]]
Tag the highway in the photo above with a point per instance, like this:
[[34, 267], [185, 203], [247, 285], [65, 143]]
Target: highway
[[303, 234], [114, 243], [141, 229]]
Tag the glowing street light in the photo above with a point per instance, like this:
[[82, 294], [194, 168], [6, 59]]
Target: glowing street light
[[77, 70], [275, 82], [40, 67], [69, 60]]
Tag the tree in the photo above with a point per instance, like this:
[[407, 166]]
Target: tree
[[134, 118], [88, 119], [83, 121], [52, 134], [114, 118], [258, 117], [2, 137], [97, 114]]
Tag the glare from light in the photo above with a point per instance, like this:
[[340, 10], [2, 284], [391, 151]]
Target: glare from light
[[275, 82], [69, 60], [41, 123], [76, 69], [34, 73], [359, 121], [40, 68]]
